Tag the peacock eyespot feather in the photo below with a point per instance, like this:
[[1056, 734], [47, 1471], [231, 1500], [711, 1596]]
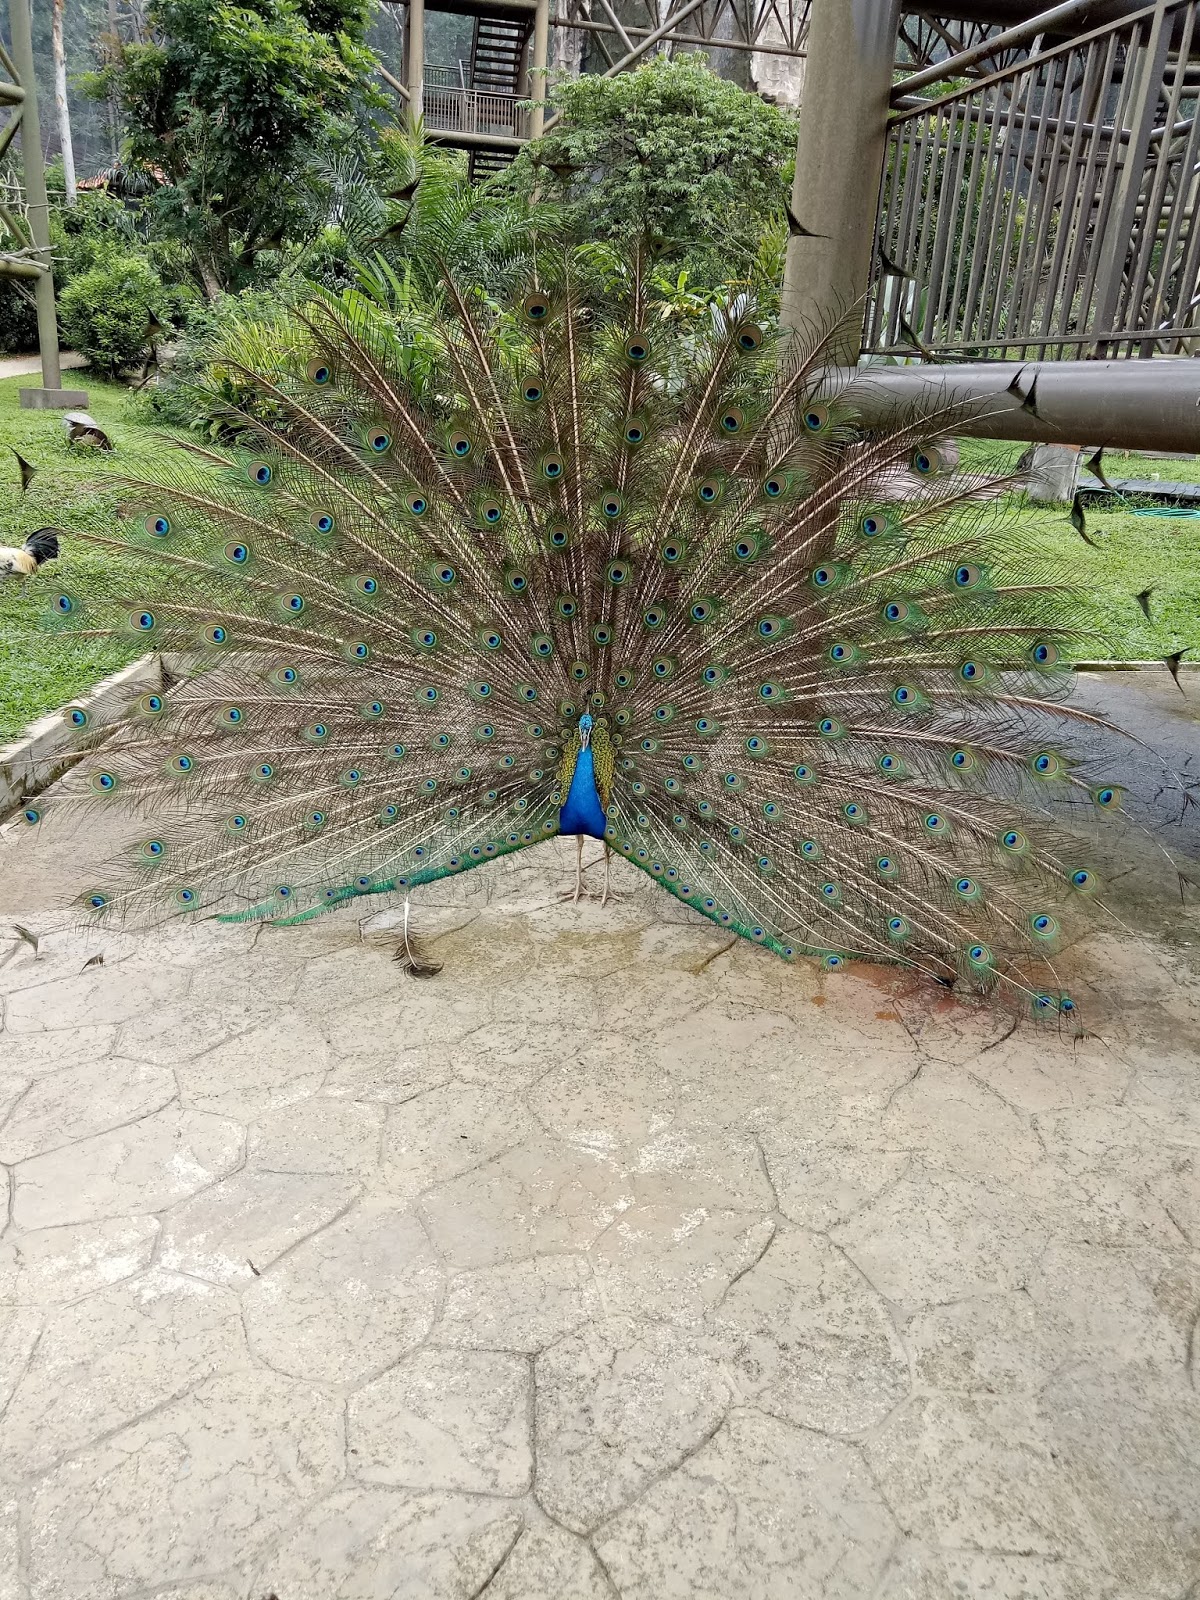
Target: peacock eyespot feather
[[635, 433], [892, 766], [315, 819], [966, 576], [709, 491], [580, 671], [542, 645], [925, 461], [351, 778], [731, 420], [747, 336], [602, 635], [979, 956], [322, 522], [898, 928], [264, 772], [491, 513], [623, 717], [31, 815], [558, 538], [970, 672], [239, 554], [535, 307], [424, 638], [379, 440], [143, 621], [552, 466], [1014, 841], [774, 486], [416, 504], [935, 824], [231, 717], [611, 505], [664, 713], [96, 901], [397, 752], [1043, 926], [293, 604], [830, 728], [1046, 765], [315, 732], [285, 677], [567, 605], [805, 776], [757, 746], [214, 633], [1108, 797], [1044, 655], [703, 610], [887, 869], [318, 371], [427, 695], [526, 692], [77, 717], [810, 849], [827, 576], [103, 782], [260, 472], [532, 393], [963, 760], [854, 812], [1083, 881], [516, 581], [372, 710], [181, 765], [490, 639], [746, 548], [364, 584], [654, 617], [158, 525], [617, 572], [150, 705], [967, 889], [673, 552], [238, 823], [816, 418], [637, 348]]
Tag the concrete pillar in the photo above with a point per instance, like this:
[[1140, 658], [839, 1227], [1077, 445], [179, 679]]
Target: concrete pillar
[[20, 27], [839, 160], [414, 58], [538, 59]]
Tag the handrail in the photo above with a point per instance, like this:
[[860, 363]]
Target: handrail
[[953, 65]]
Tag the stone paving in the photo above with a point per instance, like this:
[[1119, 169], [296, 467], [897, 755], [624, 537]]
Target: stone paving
[[614, 1261]]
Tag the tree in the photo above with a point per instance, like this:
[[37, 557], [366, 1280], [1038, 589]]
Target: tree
[[229, 102], [61, 106], [672, 150]]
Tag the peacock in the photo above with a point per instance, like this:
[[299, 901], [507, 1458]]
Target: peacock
[[457, 585]]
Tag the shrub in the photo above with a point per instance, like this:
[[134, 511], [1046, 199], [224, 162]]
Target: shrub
[[105, 312]]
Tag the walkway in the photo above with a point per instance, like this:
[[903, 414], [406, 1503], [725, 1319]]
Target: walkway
[[614, 1261], [31, 366]]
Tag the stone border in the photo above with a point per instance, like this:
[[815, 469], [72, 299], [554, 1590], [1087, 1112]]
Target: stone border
[[28, 765], [23, 765]]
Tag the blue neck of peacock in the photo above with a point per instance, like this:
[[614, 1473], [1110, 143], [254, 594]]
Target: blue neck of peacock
[[583, 811]]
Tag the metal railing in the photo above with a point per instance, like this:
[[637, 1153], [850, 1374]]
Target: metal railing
[[1050, 209], [450, 107]]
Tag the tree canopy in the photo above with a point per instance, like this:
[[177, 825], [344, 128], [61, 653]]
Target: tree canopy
[[229, 102], [672, 150]]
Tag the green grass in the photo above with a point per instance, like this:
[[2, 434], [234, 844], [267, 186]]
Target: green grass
[[40, 671], [1134, 553]]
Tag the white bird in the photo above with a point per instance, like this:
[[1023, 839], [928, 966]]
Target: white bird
[[23, 562]]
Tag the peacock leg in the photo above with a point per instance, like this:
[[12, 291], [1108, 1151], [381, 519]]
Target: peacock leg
[[574, 894], [609, 892]]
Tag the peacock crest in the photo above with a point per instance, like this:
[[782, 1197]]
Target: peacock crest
[[821, 676]]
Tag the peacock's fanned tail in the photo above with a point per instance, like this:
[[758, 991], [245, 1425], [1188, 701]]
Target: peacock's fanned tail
[[827, 674]]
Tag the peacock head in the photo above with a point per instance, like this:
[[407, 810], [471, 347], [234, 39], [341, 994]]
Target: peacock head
[[585, 730]]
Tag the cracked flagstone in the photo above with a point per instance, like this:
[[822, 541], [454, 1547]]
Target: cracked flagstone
[[616, 1263]]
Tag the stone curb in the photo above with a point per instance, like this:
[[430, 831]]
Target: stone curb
[[28, 765]]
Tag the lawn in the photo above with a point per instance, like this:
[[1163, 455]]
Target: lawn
[[40, 671]]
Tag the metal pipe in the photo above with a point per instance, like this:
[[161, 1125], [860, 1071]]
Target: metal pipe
[[1130, 405], [587, 26], [953, 66], [21, 30]]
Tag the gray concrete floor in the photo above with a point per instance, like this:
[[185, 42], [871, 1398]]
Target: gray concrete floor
[[615, 1261]]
